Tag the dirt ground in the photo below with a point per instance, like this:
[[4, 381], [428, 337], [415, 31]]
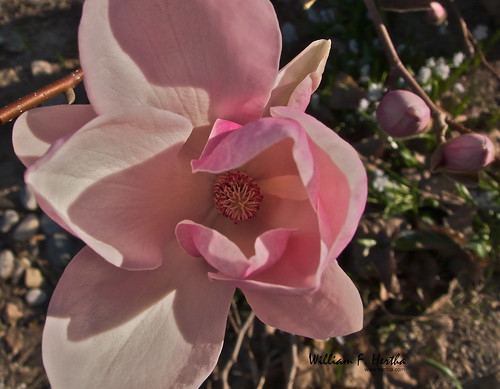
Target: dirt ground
[[458, 325]]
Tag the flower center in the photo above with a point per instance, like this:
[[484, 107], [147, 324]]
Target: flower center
[[236, 195]]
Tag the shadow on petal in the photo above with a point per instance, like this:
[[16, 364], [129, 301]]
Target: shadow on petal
[[133, 213], [98, 297]]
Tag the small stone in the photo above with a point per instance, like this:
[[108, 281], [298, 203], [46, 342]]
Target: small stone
[[12, 312], [27, 228], [40, 67], [59, 248], [33, 278], [35, 297], [49, 226], [6, 264], [8, 219], [28, 199], [22, 264]]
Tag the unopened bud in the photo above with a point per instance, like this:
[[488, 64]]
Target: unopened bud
[[464, 154], [436, 14], [402, 113]]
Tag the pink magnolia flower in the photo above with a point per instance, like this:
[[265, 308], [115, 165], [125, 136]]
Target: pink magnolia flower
[[182, 191]]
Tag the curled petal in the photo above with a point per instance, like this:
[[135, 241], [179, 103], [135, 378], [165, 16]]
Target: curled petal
[[297, 81], [112, 328], [335, 309], [169, 61], [341, 193], [225, 256], [119, 184], [36, 130]]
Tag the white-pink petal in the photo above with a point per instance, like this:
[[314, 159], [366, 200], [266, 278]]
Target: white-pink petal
[[343, 183], [119, 184], [203, 59], [112, 328], [36, 130], [335, 309], [297, 81], [225, 256]]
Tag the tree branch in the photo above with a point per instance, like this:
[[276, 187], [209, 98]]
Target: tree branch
[[64, 85]]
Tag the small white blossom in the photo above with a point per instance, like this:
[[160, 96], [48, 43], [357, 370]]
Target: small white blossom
[[459, 88], [363, 104], [458, 59], [364, 73], [381, 181], [424, 75], [485, 199], [480, 32], [375, 91], [431, 62], [442, 70]]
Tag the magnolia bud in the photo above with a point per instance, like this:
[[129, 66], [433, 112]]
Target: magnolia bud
[[402, 113], [464, 154], [436, 14]]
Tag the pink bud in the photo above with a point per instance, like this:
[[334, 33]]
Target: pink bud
[[464, 154], [402, 113], [436, 14]]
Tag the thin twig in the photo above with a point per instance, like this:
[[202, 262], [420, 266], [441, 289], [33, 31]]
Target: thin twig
[[482, 57], [236, 313], [16, 108], [236, 350], [469, 47], [470, 42], [293, 363], [253, 365], [265, 368]]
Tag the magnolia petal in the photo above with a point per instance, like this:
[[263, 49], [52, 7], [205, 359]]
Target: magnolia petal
[[119, 185], [286, 186], [342, 191], [169, 61], [112, 328], [335, 309], [225, 256], [297, 81], [234, 148], [37, 129]]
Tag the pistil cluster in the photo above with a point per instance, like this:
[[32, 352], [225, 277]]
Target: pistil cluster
[[236, 195]]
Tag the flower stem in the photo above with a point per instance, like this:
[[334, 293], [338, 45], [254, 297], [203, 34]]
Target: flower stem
[[64, 85]]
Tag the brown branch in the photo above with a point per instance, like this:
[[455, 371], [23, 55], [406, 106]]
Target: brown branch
[[63, 85], [470, 42], [469, 47], [482, 57], [399, 69]]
